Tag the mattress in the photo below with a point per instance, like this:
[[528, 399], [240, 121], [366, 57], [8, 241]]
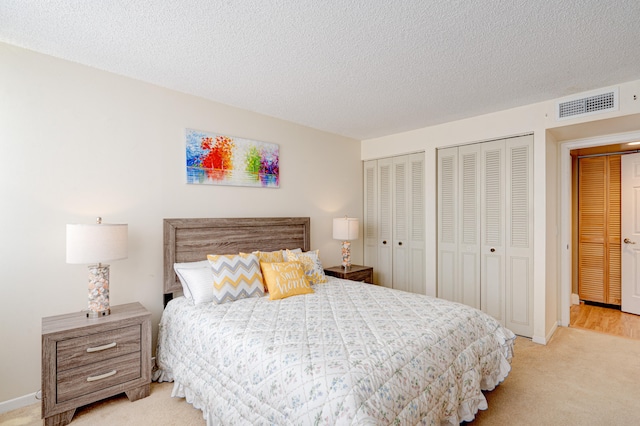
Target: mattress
[[350, 353]]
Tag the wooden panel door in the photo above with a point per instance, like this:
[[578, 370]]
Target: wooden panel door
[[592, 216], [614, 273], [599, 261]]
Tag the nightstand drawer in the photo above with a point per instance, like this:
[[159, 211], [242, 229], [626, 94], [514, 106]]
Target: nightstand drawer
[[353, 273], [360, 276], [97, 347], [94, 377]]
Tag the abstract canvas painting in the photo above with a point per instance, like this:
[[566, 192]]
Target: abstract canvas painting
[[217, 159]]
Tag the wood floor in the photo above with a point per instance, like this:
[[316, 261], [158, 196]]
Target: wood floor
[[605, 320]]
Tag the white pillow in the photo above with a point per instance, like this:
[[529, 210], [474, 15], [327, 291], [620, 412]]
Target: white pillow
[[196, 279]]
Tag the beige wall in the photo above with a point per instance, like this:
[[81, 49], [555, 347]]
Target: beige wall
[[76, 143], [538, 119]]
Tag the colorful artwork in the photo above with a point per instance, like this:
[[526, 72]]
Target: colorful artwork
[[225, 160]]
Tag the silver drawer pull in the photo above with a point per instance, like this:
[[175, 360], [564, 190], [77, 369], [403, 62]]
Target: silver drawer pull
[[102, 348], [102, 376]]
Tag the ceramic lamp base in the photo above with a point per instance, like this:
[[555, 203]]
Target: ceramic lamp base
[[98, 291], [346, 254]]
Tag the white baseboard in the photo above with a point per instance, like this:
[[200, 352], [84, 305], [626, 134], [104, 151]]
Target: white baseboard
[[22, 401], [545, 340], [575, 299]]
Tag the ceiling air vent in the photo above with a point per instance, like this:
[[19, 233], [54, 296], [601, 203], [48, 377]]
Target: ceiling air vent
[[592, 103]]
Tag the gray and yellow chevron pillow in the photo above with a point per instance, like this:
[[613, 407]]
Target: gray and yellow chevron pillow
[[235, 276]]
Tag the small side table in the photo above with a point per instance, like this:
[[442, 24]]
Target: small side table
[[85, 359], [353, 273]]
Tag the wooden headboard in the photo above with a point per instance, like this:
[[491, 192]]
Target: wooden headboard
[[190, 240]]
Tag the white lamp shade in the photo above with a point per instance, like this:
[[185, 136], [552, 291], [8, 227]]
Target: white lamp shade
[[96, 243], [345, 228]]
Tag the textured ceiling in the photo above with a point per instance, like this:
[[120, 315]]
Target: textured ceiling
[[359, 68]]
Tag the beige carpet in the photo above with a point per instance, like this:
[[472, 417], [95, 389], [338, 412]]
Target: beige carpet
[[580, 378]]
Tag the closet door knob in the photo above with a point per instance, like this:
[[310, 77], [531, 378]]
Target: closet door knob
[[628, 241], [384, 242], [400, 243], [492, 250]]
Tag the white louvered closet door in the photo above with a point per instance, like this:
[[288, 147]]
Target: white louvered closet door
[[469, 225], [385, 223], [448, 287], [408, 224], [519, 236], [400, 222], [395, 221], [371, 216], [493, 229], [485, 229], [459, 224], [417, 231]]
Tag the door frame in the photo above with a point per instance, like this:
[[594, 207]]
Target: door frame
[[565, 192]]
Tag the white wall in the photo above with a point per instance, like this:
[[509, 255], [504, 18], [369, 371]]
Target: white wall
[[537, 119], [76, 143]]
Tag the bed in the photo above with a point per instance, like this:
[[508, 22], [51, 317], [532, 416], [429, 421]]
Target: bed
[[348, 353]]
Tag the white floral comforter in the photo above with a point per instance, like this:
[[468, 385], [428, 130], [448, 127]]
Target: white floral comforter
[[350, 353]]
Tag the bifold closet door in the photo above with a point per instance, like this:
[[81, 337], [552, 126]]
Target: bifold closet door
[[394, 219], [519, 236], [384, 244], [485, 228], [447, 273], [469, 224], [417, 234], [371, 217], [408, 233], [459, 224], [507, 233], [493, 229]]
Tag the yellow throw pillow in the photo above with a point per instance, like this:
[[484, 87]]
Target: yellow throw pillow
[[311, 264], [285, 279], [270, 256]]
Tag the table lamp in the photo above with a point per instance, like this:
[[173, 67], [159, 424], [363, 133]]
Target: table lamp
[[93, 244], [345, 229]]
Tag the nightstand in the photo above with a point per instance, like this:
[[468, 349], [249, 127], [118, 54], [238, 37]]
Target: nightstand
[[85, 359], [354, 273]]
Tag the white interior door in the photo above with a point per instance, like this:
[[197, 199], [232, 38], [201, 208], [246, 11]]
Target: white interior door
[[630, 206]]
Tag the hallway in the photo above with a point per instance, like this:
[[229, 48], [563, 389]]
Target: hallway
[[605, 320]]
